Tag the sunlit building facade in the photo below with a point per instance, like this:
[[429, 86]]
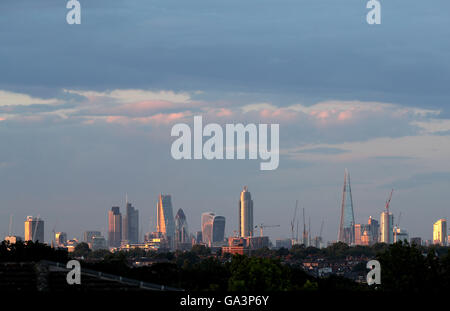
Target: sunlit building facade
[[387, 227], [114, 227], [61, 239], [440, 232], [34, 229], [213, 229], [164, 215], [245, 214]]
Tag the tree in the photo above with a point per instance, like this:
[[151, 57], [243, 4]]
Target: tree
[[81, 250]]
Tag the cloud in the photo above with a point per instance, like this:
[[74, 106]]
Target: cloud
[[418, 180], [433, 126], [133, 96], [18, 99], [431, 150]]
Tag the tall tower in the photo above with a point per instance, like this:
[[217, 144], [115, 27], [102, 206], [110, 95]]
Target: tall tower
[[34, 229], [164, 215], [347, 226], [181, 229], [245, 214], [440, 232], [131, 224], [213, 228], [387, 224], [114, 227]]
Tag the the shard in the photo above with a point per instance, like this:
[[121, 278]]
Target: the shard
[[347, 225]]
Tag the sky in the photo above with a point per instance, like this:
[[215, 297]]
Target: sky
[[86, 110]]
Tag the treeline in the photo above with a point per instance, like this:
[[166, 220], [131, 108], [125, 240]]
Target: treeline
[[404, 267]]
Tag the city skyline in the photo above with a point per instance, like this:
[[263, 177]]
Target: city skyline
[[80, 127], [361, 234]]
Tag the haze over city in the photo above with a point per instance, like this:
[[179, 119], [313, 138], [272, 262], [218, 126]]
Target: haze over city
[[91, 119]]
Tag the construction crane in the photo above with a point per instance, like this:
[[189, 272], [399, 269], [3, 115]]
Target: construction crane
[[389, 201], [262, 226], [305, 234], [398, 221], [321, 229], [293, 219]]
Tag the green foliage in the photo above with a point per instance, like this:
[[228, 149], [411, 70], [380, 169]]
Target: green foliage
[[405, 268], [257, 274], [81, 250], [30, 251], [201, 250]]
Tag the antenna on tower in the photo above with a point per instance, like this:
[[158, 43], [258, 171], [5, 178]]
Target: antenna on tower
[[10, 224]]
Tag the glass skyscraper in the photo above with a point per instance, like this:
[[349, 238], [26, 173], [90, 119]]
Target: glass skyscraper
[[347, 225], [164, 215], [114, 227], [213, 228]]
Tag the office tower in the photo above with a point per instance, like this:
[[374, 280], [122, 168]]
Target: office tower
[[181, 229], [366, 238], [164, 215], [114, 227], [130, 224], [89, 235], [98, 242], [386, 227], [387, 223], [199, 237], [400, 235], [34, 229], [359, 231], [440, 232], [213, 228], [347, 225], [373, 230], [61, 238], [245, 214]]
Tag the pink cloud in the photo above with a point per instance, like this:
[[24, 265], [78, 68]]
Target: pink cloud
[[345, 115]]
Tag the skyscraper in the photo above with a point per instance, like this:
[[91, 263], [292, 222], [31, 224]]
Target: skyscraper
[[34, 229], [61, 238], [114, 227], [213, 228], [245, 214], [440, 232], [181, 229], [164, 215], [131, 224], [387, 227], [374, 229], [89, 235], [346, 232], [387, 224]]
